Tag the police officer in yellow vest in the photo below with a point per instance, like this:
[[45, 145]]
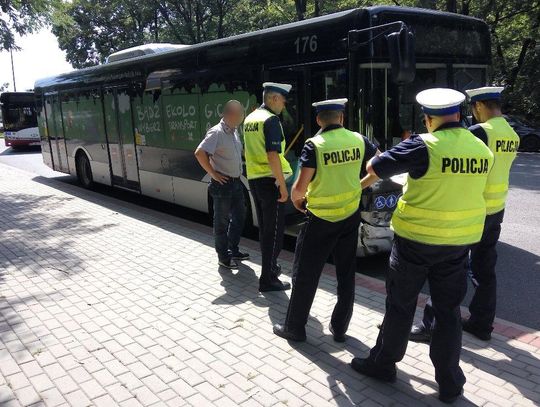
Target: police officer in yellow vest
[[503, 142], [328, 191], [267, 170], [440, 214]]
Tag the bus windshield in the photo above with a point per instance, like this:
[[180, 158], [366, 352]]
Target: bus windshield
[[17, 118], [18, 110]]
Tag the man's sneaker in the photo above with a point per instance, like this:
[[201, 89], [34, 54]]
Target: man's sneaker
[[368, 368], [229, 264], [471, 328], [419, 333], [240, 256]]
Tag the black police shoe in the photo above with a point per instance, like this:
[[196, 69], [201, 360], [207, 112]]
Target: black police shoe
[[228, 264], [419, 333], [284, 332], [275, 285], [449, 398], [473, 329], [370, 369], [240, 256], [338, 337]]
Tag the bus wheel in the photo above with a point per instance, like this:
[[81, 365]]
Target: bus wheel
[[84, 170]]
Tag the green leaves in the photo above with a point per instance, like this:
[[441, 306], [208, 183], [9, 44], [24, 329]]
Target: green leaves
[[22, 17]]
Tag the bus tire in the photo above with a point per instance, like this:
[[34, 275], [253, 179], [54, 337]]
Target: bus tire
[[84, 170]]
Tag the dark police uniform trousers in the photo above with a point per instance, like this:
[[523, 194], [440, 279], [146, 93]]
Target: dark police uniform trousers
[[317, 240], [445, 269], [483, 258], [271, 218]]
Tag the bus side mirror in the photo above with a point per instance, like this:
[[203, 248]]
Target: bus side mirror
[[402, 56]]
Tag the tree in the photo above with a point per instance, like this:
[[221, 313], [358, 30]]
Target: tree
[[90, 30], [22, 17]]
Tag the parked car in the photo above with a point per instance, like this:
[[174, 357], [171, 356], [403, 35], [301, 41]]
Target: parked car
[[529, 136]]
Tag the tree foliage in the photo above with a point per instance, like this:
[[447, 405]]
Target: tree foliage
[[89, 30], [22, 17]]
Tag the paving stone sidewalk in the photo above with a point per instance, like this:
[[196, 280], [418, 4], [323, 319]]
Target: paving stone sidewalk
[[106, 303]]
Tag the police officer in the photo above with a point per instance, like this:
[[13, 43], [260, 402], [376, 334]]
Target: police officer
[[328, 191], [440, 214], [503, 142], [267, 170]]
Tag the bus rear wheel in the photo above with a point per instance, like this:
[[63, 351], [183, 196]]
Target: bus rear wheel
[[84, 170]]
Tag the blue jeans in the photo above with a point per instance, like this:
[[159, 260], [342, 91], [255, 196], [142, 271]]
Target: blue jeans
[[229, 216]]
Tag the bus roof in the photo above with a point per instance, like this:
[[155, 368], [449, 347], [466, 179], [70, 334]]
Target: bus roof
[[345, 20]]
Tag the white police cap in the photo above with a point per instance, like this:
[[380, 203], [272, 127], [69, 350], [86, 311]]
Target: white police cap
[[331, 104], [485, 93], [440, 101], [283, 88]]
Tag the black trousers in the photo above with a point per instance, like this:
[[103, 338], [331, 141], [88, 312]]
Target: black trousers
[[445, 268], [271, 219], [483, 259], [318, 239]]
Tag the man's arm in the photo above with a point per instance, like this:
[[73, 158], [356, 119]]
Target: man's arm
[[206, 148], [409, 156], [204, 160], [371, 177], [277, 171], [273, 134], [299, 189]]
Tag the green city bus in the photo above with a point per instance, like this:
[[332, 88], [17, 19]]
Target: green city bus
[[135, 121]]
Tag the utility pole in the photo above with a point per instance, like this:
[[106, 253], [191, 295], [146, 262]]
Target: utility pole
[[13, 71]]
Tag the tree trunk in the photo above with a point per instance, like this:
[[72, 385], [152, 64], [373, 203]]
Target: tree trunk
[[317, 12], [300, 9], [522, 54], [451, 6]]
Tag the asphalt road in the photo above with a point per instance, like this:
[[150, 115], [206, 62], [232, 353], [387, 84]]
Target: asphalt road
[[518, 267]]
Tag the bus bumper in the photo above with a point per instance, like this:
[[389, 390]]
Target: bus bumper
[[378, 202], [21, 143]]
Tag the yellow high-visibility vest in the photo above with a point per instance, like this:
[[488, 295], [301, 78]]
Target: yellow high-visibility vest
[[334, 193], [446, 206], [503, 143], [257, 165]]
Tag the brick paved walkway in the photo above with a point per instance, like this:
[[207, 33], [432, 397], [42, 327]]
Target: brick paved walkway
[[105, 303]]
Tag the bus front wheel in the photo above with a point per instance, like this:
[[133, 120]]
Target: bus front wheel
[[84, 170]]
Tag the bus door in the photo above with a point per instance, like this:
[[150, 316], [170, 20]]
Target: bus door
[[121, 138], [55, 132], [295, 118]]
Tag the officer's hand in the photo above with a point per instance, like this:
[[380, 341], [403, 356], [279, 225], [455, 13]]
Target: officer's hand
[[300, 204], [283, 193], [220, 178]]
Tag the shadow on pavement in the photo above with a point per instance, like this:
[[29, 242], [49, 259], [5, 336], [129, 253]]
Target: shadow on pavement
[[34, 241], [511, 370], [350, 388], [22, 150]]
